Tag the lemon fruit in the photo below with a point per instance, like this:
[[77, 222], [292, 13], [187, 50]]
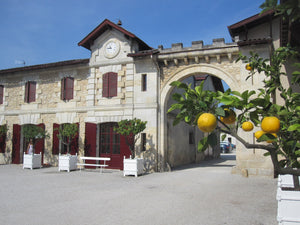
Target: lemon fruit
[[270, 124], [259, 133], [247, 126], [248, 67], [230, 119], [207, 122]]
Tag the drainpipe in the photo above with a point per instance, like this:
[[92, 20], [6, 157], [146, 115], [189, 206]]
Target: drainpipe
[[158, 131]]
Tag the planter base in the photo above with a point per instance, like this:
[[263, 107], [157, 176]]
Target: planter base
[[32, 161], [288, 202], [67, 162], [133, 167]]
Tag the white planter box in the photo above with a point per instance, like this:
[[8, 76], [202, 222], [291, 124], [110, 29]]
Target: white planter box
[[67, 162], [32, 161], [133, 166], [288, 202]]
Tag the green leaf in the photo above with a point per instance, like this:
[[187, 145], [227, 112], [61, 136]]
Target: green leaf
[[220, 111], [212, 139], [223, 137], [294, 127], [226, 100], [175, 106], [267, 154], [203, 144]]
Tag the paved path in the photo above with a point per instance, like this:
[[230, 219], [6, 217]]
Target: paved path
[[205, 194]]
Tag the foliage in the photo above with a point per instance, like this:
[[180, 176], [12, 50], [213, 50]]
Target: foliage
[[289, 9], [131, 130], [3, 130], [66, 133], [34, 133]]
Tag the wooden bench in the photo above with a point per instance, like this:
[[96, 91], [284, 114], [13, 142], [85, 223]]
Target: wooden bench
[[96, 159]]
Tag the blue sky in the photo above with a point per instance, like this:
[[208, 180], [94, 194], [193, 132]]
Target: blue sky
[[45, 31]]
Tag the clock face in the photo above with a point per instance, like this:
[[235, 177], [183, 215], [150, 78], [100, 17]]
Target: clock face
[[112, 48]]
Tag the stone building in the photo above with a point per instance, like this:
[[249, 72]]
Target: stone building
[[125, 78]]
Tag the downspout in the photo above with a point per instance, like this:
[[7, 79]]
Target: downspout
[[158, 130]]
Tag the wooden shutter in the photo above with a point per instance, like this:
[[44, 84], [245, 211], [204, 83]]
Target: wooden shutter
[[62, 91], [74, 143], [105, 85], [55, 140], [69, 87], [1, 94], [31, 91], [39, 146], [113, 84], [90, 139], [16, 144], [26, 99]]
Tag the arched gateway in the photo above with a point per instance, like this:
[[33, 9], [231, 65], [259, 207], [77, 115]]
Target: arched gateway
[[125, 78]]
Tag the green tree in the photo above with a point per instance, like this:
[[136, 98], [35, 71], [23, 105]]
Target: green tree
[[284, 149], [34, 133], [66, 133], [131, 130]]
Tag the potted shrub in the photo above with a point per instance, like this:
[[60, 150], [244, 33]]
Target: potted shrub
[[66, 134], [32, 134], [131, 130], [280, 124]]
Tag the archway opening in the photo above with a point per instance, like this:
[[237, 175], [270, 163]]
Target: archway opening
[[181, 141]]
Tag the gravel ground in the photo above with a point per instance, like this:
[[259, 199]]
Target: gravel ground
[[203, 194]]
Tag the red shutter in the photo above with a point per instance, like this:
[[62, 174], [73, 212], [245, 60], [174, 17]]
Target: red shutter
[[113, 84], [62, 91], [39, 146], [90, 141], [69, 87], [74, 143], [16, 144], [1, 93], [31, 91], [26, 99], [105, 85], [55, 140]]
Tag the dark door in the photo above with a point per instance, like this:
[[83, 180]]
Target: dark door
[[90, 142], [16, 144], [112, 145]]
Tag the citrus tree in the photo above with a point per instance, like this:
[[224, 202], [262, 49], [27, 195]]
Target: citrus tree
[[280, 124], [34, 133], [66, 133], [131, 130]]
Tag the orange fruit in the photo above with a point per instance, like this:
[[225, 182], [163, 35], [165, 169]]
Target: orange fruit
[[207, 122], [247, 126], [230, 118], [270, 124], [275, 135], [259, 133], [248, 67]]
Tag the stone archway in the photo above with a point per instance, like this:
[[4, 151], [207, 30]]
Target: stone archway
[[181, 74]]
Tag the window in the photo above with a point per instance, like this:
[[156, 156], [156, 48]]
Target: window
[[144, 82], [67, 87], [191, 138], [30, 88], [1, 94], [110, 85], [143, 141]]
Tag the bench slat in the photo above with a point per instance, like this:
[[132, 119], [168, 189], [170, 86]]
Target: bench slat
[[95, 158], [87, 164]]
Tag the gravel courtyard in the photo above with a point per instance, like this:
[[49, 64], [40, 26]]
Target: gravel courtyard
[[205, 194]]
